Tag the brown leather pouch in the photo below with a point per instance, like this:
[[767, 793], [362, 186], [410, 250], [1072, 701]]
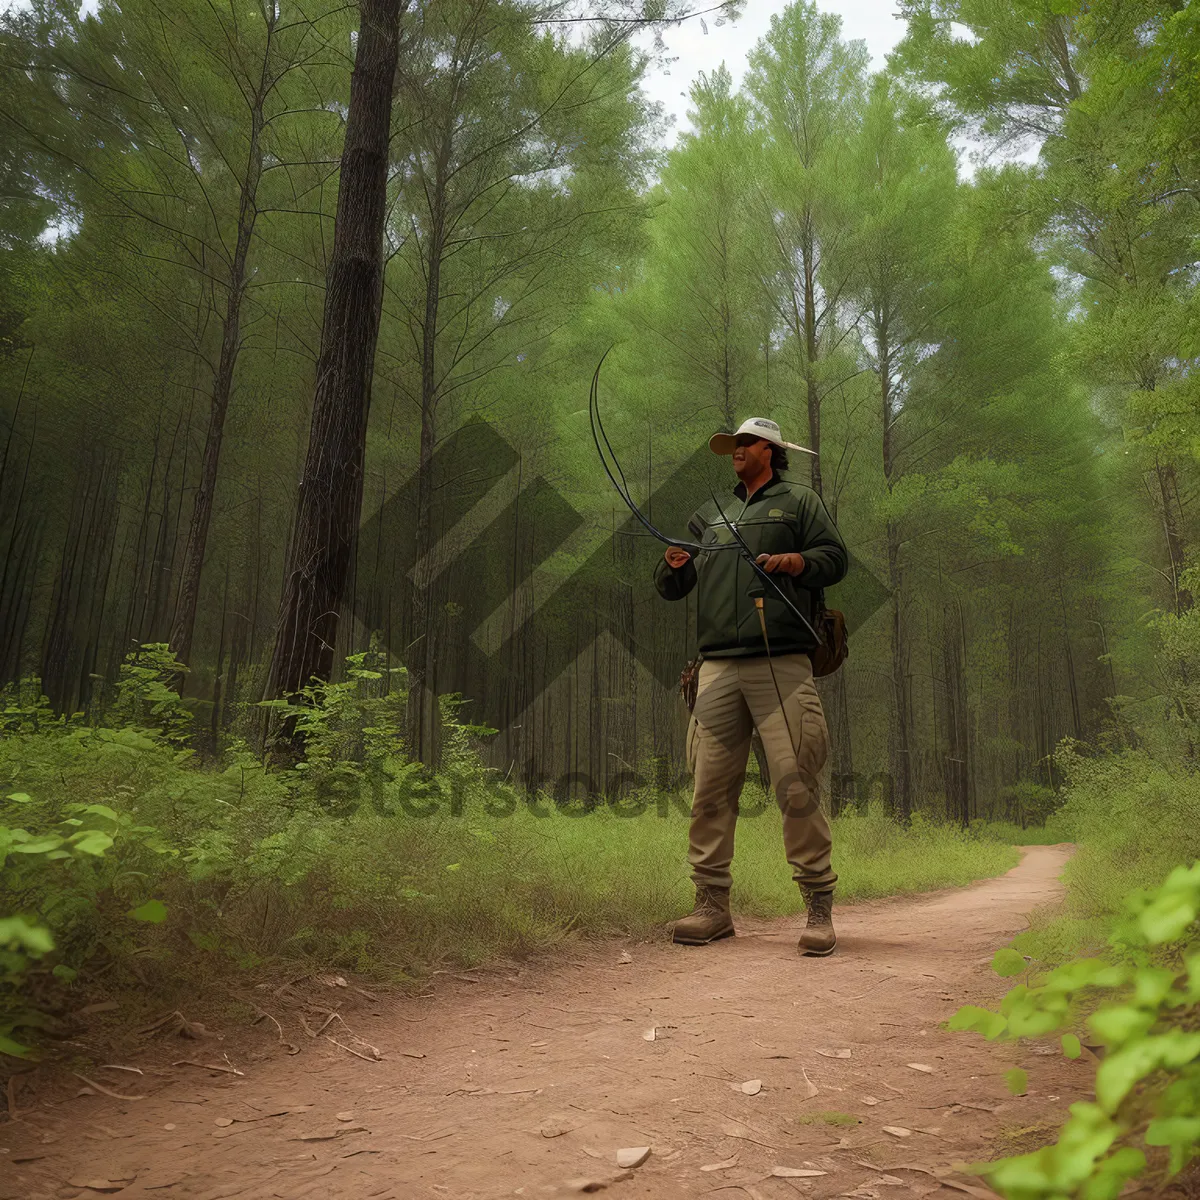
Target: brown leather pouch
[[835, 646]]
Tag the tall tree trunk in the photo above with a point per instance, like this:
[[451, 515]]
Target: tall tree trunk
[[899, 733], [9, 608], [811, 349], [956, 775], [331, 487], [1168, 491], [1072, 682], [833, 691], [218, 674], [423, 715], [188, 597]]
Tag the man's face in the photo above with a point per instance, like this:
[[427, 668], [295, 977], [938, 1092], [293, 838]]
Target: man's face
[[751, 456]]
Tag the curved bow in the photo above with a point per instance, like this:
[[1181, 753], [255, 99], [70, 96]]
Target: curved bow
[[622, 488], [600, 438]]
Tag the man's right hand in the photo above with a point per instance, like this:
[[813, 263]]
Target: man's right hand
[[677, 557]]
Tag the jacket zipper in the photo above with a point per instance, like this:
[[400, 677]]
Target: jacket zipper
[[737, 573]]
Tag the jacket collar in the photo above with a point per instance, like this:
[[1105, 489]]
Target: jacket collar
[[740, 488]]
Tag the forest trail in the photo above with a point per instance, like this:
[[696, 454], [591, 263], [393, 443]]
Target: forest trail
[[529, 1081]]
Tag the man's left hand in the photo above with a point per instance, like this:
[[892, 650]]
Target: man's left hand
[[789, 564]]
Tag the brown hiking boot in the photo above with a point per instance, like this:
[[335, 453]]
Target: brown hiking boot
[[708, 921], [818, 939]]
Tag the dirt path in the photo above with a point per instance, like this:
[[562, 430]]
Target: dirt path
[[529, 1082]]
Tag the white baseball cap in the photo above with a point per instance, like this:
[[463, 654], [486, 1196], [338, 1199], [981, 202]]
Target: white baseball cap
[[724, 443]]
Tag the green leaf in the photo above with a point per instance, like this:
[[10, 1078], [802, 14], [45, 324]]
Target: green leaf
[[1119, 1073], [1167, 918], [154, 912], [31, 938], [1008, 962], [19, 798], [1113, 1173], [1151, 984], [14, 1049], [1171, 1131], [979, 1020], [1016, 1080], [38, 845], [1116, 1026], [65, 973], [92, 841], [1071, 1046], [102, 810], [1177, 1048]]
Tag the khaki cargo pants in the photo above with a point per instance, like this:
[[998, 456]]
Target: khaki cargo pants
[[734, 696]]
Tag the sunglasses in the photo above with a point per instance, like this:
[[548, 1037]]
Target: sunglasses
[[747, 439]]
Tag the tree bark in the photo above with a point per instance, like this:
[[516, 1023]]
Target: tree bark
[[423, 713], [899, 739], [188, 596], [331, 487], [811, 348]]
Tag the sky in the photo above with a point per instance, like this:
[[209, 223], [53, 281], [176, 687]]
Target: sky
[[870, 21]]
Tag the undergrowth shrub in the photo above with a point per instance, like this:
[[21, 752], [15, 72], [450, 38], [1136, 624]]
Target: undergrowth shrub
[[1133, 818], [159, 868], [1120, 957], [1143, 997]]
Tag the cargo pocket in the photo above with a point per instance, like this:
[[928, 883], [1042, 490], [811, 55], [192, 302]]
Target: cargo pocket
[[814, 743]]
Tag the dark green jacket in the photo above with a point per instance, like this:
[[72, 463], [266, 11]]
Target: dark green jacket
[[781, 517]]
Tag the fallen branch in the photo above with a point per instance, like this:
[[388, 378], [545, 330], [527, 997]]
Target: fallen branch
[[103, 1090], [188, 1062], [742, 1137], [350, 1050], [264, 1015], [10, 1092], [182, 1026], [283, 987]]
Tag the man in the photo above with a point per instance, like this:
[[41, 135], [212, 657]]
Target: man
[[756, 673]]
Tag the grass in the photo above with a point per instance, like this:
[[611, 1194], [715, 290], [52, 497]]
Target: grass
[[1012, 834], [1024, 1139], [1133, 819], [259, 868], [525, 879]]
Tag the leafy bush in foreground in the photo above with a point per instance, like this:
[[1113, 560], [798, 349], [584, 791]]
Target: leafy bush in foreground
[[1139, 982]]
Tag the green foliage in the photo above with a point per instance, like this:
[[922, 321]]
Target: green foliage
[[34, 865], [24, 708], [129, 857], [1017, 1081], [147, 694], [1143, 997], [1008, 962]]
